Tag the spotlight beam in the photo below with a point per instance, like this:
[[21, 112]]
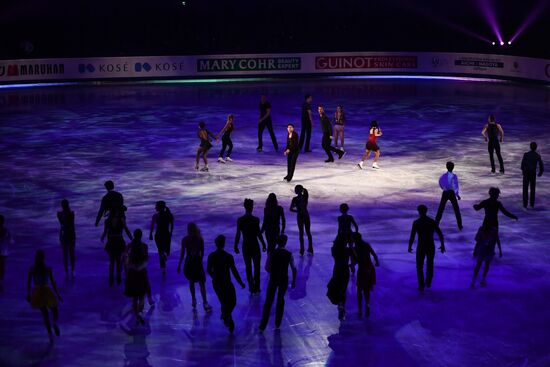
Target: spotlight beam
[[537, 11], [489, 14]]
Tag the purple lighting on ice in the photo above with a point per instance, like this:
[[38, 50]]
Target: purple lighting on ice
[[530, 19]]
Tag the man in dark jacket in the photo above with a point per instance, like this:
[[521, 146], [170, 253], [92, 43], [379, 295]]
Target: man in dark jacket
[[111, 200], [279, 262], [291, 152], [327, 138], [425, 227], [529, 169]]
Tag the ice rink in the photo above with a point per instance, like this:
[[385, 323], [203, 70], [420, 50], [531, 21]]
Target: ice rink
[[65, 141]]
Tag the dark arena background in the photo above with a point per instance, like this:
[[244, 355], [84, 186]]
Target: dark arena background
[[115, 90]]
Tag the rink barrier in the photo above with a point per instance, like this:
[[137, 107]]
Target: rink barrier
[[275, 65]]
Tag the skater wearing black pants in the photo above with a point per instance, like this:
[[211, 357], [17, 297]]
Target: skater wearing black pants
[[491, 132], [249, 225], [327, 138], [307, 123], [164, 222], [227, 143], [220, 264], [111, 200], [67, 236], [449, 184], [279, 262], [115, 224], [338, 285], [274, 218], [292, 150], [425, 227], [529, 169], [265, 121], [299, 206]]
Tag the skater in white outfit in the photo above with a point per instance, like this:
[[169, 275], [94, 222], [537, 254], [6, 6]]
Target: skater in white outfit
[[371, 145]]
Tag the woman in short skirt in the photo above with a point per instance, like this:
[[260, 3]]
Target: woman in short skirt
[[137, 285], [193, 246], [371, 145], [42, 296], [205, 136], [366, 274], [486, 240]]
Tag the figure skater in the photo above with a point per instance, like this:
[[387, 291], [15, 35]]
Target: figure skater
[[486, 239], [67, 236], [299, 206], [491, 132], [204, 135], [164, 222], [219, 266], [425, 250], [292, 150], [226, 140], [137, 285], [193, 269], [307, 123], [279, 262], [374, 133], [42, 296], [338, 285], [274, 219], [366, 274], [345, 221], [449, 184], [492, 206], [265, 121], [115, 224], [249, 225], [338, 122], [110, 201], [327, 130], [529, 170], [5, 241]]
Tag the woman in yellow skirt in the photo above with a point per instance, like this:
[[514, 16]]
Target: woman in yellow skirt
[[42, 296]]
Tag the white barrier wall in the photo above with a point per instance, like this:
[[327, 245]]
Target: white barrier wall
[[37, 70]]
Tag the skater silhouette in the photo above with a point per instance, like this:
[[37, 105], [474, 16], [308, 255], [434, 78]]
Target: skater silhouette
[[274, 221], [111, 200], [193, 246], [279, 262], [265, 121], [163, 220], [366, 274], [299, 206], [494, 134], [67, 236], [249, 226], [219, 266], [529, 170], [425, 227], [42, 297]]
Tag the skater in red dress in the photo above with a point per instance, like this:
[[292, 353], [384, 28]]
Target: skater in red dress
[[366, 275], [371, 145]]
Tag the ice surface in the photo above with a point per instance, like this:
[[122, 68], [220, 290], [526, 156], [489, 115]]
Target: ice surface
[[64, 142]]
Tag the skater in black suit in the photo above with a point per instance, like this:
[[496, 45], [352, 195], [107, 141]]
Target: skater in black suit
[[219, 266], [265, 121], [529, 169], [425, 227], [249, 225], [279, 262], [307, 123], [327, 138], [494, 134], [292, 150], [111, 200]]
